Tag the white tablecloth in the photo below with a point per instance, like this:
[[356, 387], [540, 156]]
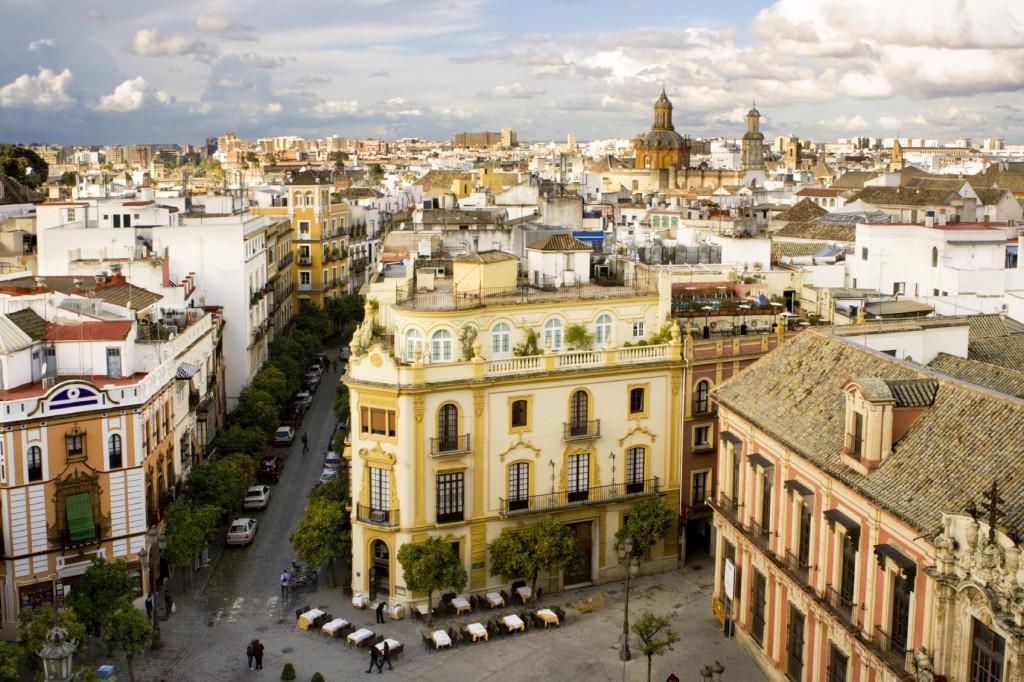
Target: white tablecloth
[[460, 604], [494, 599], [359, 635], [360, 601], [477, 630], [513, 622], [392, 645], [334, 625], [312, 614], [524, 592], [441, 638]]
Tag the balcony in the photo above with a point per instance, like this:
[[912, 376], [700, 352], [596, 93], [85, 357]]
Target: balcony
[[305, 260], [894, 653], [565, 499], [450, 517], [451, 445], [377, 517], [285, 262], [841, 605], [581, 430], [728, 506], [797, 566], [761, 534]]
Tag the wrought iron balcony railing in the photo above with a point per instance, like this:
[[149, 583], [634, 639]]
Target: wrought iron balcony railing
[[576, 498]]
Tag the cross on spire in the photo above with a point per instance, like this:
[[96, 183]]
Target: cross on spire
[[992, 510]]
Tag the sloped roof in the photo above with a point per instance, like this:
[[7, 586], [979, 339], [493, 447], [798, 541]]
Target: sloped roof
[[559, 242], [114, 291], [803, 211], [485, 257], [833, 232], [1005, 351], [853, 179], [967, 438], [905, 196], [29, 322], [1002, 379], [992, 325], [12, 337], [794, 249], [107, 330]]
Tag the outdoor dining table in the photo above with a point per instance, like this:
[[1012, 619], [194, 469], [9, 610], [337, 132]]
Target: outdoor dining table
[[360, 601], [494, 600], [548, 616], [513, 623], [394, 646], [441, 639], [461, 605], [524, 593], [307, 619], [359, 636], [477, 630], [333, 627]]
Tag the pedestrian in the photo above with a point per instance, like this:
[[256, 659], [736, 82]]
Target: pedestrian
[[380, 611], [168, 602], [373, 659], [250, 653], [305, 443], [149, 606], [385, 657], [285, 583], [257, 651]]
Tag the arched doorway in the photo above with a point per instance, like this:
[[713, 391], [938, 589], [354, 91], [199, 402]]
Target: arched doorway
[[380, 569]]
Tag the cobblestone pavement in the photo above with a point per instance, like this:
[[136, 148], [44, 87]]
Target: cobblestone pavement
[[206, 638]]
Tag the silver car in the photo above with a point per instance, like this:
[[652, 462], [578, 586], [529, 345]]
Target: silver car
[[242, 531], [257, 497]]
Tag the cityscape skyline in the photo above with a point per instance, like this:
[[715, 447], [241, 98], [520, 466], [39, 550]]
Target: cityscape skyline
[[392, 68]]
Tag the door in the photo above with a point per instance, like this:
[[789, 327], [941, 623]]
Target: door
[[114, 363], [579, 478], [583, 571], [578, 413], [37, 365], [380, 570]]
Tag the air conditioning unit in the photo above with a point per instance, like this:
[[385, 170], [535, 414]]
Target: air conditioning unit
[[378, 515]]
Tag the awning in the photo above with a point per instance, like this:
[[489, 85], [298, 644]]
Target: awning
[[835, 516], [760, 460], [906, 564], [732, 438], [79, 512], [186, 370], [798, 487]]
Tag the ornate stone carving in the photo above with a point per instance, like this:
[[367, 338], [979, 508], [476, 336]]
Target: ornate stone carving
[[417, 408]]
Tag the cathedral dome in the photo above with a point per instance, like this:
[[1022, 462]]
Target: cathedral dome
[[663, 139]]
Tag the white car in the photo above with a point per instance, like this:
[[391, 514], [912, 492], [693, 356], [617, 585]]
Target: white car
[[242, 531], [332, 460], [303, 399], [257, 497], [284, 435], [328, 475]]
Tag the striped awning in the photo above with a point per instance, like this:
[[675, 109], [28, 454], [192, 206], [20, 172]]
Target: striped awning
[[186, 370]]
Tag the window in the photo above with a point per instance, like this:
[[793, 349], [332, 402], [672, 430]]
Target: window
[[78, 516], [857, 446], [935, 292], [553, 334], [757, 605], [795, 645], [75, 444], [603, 327], [899, 288], [635, 466], [518, 485], [35, 464], [848, 571], [377, 421], [636, 400], [735, 483], [114, 460], [702, 437], [804, 536], [303, 228], [520, 413], [413, 340], [838, 663], [501, 340], [988, 652], [864, 253], [380, 489], [449, 497], [441, 346], [700, 397], [699, 488], [578, 413], [935, 257], [900, 619], [579, 477], [766, 503], [448, 428], [305, 278], [638, 329]]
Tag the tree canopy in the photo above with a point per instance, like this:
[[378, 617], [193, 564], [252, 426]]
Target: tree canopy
[[257, 410], [189, 529], [647, 522], [527, 552], [656, 636], [103, 585], [321, 535], [33, 624], [430, 566], [128, 629], [220, 483], [24, 165]]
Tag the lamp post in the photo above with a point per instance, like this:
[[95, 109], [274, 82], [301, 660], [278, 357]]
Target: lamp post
[[57, 653], [625, 551], [743, 318], [707, 314]]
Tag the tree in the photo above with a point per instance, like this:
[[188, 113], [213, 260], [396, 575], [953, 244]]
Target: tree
[[257, 410], [321, 537], [656, 636], [68, 178], [9, 655], [103, 585], [431, 565], [126, 628], [220, 483], [527, 552], [271, 380], [188, 529], [252, 442], [376, 174], [33, 624], [334, 491], [579, 337], [24, 165], [647, 522], [341, 404]]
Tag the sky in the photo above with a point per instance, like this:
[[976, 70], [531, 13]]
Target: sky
[[125, 71]]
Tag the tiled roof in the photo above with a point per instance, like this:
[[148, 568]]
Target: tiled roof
[[1002, 379], [559, 242], [955, 449], [913, 392], [794, 249], [831, 232], [112, 330], [29, 322], [989, 197], [804, 210], [826, 192], [114, 292], [485, 257], [1005, 351], [853, 179], [906, 196], [992, 325]]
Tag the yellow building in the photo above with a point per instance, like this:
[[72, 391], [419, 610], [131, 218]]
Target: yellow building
[[280, 276], [456, 434], [320, 235]]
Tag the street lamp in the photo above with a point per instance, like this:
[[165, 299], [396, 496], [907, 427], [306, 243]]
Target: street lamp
[[743, 318], [625, 551], [57, 653], [707, 314]]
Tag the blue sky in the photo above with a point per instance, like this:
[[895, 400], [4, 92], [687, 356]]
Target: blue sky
[[128, 71]]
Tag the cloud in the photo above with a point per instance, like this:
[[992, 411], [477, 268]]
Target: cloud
[[225, 26], [849, 124], [332, 108], [514, 91], [46, 90], [93, 15], [132, 95], [36, 45], [233, 83], [311, 80], [256, 61], [149, 43], [379, 74], [889, 122], [274, 108]]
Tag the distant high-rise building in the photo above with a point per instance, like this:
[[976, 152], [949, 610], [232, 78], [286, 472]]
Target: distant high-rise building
[[570, 142], [506, 138]]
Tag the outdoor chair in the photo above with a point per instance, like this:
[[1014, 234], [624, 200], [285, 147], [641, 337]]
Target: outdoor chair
[[504, 595], [540, 593], [492, 628], [473, 602], [453, 634], [560, 612], [428, 641], [517, 584], [299, 612]]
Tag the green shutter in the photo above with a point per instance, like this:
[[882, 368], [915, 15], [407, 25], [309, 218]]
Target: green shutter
[[79, 511]]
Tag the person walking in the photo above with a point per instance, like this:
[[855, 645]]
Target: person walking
[[257, 652], [385, 657], [286, 580], [373, 659], [168, 602], [149, 606], [250, 653], [380, 611], [305, 443]]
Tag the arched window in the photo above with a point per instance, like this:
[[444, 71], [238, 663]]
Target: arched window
[[935, 256], [578, 413], [553, 334], [501, 340], [413, 340], [35, 464], [603, 327], [448, 428], [114, 458], [441, 346], [700, 397]]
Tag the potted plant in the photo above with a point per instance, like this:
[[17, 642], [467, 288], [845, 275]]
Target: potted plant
[[578, 337]]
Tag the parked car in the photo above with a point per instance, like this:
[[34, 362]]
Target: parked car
[[316, 368], [303, 400], [311, 380], [333, 459], [242, 531], [284, 435], [328, 475], [270, 469], [257, 497], [322, 360], [292, 416]]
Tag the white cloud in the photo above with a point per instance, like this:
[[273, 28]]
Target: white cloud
[[132, 95], [274, 108], [849, 124], [232, 83], [514, 91], [209, 22], [256, 61], [889, 122], [329, 108], [149, 43], [36, 45], [47, 90]]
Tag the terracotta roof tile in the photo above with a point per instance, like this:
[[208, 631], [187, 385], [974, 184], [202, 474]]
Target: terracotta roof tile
[[110, 330], [559, 242], [1002, 379]]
